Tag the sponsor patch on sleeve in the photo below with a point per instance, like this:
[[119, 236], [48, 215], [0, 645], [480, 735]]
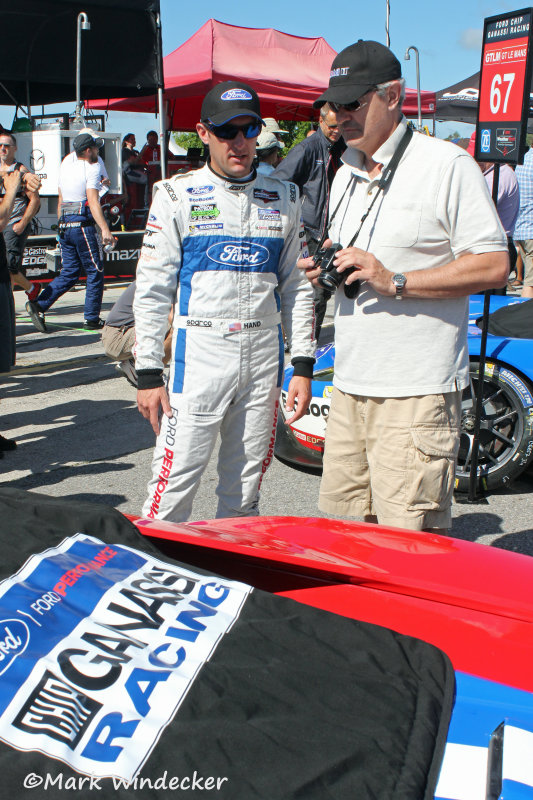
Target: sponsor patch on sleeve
[[265, 195]]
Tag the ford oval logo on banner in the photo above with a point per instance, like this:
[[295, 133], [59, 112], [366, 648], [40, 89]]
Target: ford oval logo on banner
[[14, 638], [235, 253], [236, 94]]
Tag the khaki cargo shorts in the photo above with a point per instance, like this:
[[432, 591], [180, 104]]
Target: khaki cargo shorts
[[391, 457], [118, 342], [525, 248]]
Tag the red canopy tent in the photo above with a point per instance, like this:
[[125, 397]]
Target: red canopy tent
[[288, 73]]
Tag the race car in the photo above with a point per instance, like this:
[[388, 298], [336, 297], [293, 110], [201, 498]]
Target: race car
[[506, 432], [273, 657]]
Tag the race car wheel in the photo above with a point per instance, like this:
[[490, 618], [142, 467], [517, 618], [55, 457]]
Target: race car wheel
[[506, 431]]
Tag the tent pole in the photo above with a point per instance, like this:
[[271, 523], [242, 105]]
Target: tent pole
[[162, 133], [160, 89], [475, 484]]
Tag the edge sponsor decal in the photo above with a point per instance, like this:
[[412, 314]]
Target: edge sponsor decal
[[34, 255], [237, 187], [100, 668], [265, 195], [292, 192]]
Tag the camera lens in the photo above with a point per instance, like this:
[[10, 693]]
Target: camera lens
[[330, 280]]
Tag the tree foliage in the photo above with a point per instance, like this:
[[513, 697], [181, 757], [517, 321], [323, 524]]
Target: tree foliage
[[296, 131], [187, 140]]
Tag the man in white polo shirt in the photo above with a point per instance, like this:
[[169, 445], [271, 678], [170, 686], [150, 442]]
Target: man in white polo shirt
[[80, 214], [428, 237]]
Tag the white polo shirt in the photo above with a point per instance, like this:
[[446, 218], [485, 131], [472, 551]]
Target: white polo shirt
[[436, 209], [76, 176]]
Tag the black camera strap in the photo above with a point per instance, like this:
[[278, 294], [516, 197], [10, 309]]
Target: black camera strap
[[387, 175], [385, 180]]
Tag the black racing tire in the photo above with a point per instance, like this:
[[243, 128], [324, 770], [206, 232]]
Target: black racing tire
[[506, 432]]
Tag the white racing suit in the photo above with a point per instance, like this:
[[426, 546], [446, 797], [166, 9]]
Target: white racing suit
[[225, 253]]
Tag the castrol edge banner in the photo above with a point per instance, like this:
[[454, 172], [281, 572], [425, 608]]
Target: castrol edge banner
[[505, 83]]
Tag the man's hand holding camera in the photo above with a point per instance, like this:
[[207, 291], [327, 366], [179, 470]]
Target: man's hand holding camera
[[359, 264]]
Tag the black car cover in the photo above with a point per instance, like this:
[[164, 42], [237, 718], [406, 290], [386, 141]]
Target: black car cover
[[127, 674], [514, 320]]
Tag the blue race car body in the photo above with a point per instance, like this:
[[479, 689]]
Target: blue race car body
[[506, 435]]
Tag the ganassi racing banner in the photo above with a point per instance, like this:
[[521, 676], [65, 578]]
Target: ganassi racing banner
[[126, 674], [98, 647]]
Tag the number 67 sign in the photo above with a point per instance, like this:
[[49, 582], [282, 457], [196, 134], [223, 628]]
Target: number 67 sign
[[504, 87]]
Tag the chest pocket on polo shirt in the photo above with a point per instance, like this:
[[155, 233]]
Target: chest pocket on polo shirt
[[399, 226]]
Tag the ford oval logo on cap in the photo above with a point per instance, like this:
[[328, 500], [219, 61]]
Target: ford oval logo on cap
[[238, 254], [236, 94]]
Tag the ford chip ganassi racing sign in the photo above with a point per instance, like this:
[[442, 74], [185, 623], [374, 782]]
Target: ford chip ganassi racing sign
[[504, 88], [99, 645]]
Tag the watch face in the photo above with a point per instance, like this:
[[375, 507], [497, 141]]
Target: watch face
[[399, 280]]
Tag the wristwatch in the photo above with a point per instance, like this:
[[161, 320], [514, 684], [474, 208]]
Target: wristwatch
[[399, 281]]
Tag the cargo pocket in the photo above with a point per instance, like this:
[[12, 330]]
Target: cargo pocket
[[430, 474]]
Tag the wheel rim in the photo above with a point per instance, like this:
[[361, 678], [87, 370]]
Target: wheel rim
[[501, 428]]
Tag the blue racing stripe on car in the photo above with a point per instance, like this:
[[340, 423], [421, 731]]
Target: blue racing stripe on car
[[481, 705], [179, 361], [226, 254], [281, 356]]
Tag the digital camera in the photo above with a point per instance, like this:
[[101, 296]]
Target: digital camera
[[330, 278]]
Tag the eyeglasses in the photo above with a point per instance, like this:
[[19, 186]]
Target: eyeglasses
[[355, 106], [249, 131], [3, 144]]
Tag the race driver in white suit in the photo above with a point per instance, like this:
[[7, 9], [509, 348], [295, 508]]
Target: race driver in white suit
[[221, 244]]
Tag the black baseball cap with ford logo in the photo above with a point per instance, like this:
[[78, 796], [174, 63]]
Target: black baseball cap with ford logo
[[228, 100], [357, 69]]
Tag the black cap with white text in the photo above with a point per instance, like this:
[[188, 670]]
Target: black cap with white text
[[357, 69]]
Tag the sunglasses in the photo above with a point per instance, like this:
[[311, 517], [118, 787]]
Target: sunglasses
[[355, 106], [249, 131]]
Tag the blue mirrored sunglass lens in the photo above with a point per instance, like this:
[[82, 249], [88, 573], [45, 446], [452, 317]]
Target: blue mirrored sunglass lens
[[231, 131]]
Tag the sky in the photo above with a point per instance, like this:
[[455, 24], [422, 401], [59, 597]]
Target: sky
[[447, 35]]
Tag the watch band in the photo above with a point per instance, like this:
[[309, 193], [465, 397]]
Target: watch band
[[399, 282]]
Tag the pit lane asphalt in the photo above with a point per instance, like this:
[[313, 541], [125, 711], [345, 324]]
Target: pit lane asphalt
[[81, 437]]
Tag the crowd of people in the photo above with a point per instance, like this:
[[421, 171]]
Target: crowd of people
[[227, 271]]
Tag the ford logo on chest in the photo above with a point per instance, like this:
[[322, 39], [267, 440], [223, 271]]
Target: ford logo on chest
[[238, 253]]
